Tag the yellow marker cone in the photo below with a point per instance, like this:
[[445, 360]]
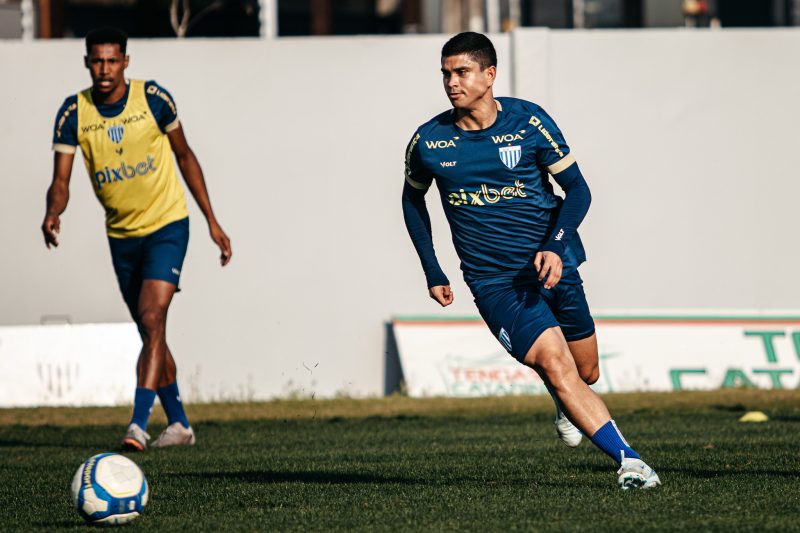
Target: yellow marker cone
[[754, 416]]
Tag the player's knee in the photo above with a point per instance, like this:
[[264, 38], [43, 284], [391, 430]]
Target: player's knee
[[589, 374], [152, 321], [556, 365]]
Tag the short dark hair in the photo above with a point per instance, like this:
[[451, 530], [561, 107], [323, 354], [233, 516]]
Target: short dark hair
[[106, 35], [476, 45]]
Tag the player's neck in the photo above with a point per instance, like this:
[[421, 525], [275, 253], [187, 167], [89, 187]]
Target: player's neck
[[110, 98], [483, 115]]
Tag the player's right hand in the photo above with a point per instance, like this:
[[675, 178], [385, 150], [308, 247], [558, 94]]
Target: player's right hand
[[50, 229], [442, 294]]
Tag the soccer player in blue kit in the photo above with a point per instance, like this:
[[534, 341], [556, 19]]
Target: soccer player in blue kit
[[517, 241]]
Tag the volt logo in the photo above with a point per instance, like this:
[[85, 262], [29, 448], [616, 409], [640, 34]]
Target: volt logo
[[446, 164], [433, 145], [125, 171]]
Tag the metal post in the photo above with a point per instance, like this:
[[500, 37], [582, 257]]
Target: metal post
[[579, 13], [268, 15], [476, 21], [45, 20], [493, 16], [28, 20], [514, 14]]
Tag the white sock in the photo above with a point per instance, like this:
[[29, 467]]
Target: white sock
[[559, 410]]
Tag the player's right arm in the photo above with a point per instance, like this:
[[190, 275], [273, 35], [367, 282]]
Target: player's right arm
[[65, 141], [418, 224], [57, 197]]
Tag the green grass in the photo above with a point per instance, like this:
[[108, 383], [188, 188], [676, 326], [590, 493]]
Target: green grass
[[398, 464]]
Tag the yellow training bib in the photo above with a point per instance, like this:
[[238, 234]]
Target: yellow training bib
[[130, 164]]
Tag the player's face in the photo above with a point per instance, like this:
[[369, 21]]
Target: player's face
[[106, 64], [464, 81]]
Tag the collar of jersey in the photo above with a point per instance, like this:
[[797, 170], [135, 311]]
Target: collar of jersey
[[112, 110], [499, 123]]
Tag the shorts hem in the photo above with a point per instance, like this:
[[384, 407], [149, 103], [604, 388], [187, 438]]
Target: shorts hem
[[580, 336], [533, 338]]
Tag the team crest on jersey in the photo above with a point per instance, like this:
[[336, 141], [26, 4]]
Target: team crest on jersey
[[116, 132], [510, 155]]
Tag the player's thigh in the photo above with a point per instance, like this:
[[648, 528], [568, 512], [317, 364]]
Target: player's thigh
[[516, 317], [550, 356], [164, 252], [585, 354], [567, 301], [155, 298], [127, 256]]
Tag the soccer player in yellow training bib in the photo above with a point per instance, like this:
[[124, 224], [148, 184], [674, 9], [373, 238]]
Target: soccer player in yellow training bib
[[127, 131]]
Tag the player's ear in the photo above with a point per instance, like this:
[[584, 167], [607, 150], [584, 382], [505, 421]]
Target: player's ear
[[86, 61], [125, 62], [491, 74]]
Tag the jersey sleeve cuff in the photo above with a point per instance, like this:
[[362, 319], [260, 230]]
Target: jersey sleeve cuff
[[64, 148], [172, 126], [561, 165], [434, 279], [552, 245]]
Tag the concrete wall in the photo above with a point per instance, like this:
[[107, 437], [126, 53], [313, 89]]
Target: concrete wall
[[302, 142], [686, 139]]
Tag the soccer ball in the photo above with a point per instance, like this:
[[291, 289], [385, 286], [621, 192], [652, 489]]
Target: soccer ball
[[109, 489]]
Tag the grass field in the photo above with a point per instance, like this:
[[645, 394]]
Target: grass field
[[398, 464]]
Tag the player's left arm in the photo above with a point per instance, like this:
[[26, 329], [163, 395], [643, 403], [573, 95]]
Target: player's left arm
[[554, 154], [193, 175]]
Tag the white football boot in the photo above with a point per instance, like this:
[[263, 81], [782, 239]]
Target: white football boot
[[135, 438], [567, 432], [175, 435], [635, 474]]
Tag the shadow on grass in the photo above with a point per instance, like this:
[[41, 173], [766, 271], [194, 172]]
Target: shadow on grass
[[271, 476], [21, 443], [342, 478], [704, 473], [60, 524]]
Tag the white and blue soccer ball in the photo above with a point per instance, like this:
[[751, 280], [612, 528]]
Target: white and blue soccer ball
[[109, 489]]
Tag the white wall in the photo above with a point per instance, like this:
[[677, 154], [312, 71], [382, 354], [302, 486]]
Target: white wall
[[302, 142], [686, 140]]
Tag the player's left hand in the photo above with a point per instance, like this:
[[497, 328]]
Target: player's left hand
[[222, 240], [549, 266], [442, 294]]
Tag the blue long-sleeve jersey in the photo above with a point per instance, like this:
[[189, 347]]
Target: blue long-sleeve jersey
[[495, 190]]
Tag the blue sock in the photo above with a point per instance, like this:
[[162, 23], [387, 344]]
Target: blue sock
[[610, 440], [171, 402], [142, 405]]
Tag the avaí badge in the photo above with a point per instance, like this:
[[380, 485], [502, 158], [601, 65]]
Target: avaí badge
[[116, 132], [509, 155]]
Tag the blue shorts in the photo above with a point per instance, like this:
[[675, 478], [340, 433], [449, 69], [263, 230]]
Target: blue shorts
[[155, 256], [518, 313]]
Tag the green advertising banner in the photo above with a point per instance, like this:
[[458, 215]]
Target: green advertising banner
[[460, 357]]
